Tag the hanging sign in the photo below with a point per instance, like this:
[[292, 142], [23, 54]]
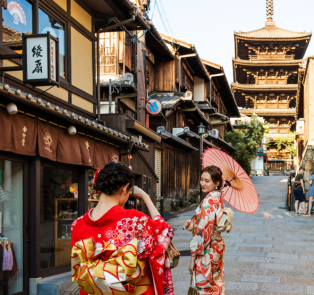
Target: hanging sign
[[154, 107], [40, 60]]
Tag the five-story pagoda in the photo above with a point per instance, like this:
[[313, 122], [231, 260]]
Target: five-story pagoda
[[265, 71]]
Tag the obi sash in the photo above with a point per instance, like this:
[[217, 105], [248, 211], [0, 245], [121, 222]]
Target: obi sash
[[102, 269]]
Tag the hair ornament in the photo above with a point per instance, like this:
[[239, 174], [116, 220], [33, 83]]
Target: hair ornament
[[95, 178]]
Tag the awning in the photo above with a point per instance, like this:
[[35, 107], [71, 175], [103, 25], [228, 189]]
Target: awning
[[23, 134]]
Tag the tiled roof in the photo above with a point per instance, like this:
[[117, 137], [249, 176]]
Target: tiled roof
[[161, 130], [16, 93], [189, 133], [272, 32], [168, 100]]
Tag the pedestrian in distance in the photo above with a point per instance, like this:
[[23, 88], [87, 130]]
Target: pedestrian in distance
[[299, 192], [310, 192], [117, 250], [207, 247]]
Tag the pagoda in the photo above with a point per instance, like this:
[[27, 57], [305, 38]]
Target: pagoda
[[265, 70]]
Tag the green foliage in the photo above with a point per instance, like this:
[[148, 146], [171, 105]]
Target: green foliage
[[246, 142], [283, 141]]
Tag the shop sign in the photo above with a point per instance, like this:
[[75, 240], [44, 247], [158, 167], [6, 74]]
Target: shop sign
[[40, 60]]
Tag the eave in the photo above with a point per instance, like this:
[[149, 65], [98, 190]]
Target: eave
[[259, 63], [269, 112], [73, 118], [187, 48], [300, 95], [220, 141], [271, 87]]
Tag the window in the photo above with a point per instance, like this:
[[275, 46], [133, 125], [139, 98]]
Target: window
[[272, 130], [59, 208], [108, 46], [48, 23], [17, 19], [11, 226]]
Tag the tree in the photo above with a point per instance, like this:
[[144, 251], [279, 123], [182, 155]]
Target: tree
[[283, 141], [246, 142]]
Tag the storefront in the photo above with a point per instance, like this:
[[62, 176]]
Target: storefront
[[46, 182]]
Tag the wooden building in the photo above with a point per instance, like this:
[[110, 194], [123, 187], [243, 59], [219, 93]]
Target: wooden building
[[304, 115], [181, 83], [265, 71], [53, 138]]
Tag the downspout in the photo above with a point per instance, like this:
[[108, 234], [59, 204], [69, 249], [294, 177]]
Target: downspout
[[183, 56], [98, 77], [210, 86]]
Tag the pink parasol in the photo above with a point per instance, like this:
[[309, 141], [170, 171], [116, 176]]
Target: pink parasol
[[239, 191]]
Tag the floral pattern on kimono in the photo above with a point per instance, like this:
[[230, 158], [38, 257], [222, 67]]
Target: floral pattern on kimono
[[119, 226], [208, 247]]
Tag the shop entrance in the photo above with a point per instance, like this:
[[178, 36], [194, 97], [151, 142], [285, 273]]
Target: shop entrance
[[13, 227]]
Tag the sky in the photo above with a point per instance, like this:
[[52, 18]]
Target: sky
[[210, 24]]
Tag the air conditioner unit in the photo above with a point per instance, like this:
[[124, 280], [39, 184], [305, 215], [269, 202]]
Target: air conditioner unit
[[104, 107], [127, 78], [213, 132]]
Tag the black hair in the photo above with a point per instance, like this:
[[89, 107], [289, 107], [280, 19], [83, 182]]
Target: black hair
[[215, 174], [112, 177]]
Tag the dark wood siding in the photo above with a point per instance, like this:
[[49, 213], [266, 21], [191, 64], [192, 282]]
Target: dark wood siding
[[174, 173]]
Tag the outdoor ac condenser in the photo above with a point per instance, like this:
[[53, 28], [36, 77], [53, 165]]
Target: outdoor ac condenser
[[213, 132]]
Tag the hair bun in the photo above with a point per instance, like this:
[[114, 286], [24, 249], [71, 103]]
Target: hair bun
[[112, 177]]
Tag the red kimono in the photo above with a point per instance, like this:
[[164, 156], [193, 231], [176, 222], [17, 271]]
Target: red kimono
[[123, 252]]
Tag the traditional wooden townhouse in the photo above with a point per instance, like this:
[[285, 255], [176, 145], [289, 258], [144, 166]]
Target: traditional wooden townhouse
[[53, 135], [183, 85]]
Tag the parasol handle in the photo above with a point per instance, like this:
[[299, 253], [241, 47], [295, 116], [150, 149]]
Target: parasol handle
[[228, 183]]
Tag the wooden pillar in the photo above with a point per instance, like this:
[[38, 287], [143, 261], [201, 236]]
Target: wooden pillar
[[34, 213], [141, 89]]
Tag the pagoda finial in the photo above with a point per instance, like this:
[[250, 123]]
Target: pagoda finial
[[270, 12]]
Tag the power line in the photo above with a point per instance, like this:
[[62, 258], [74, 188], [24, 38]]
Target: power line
[[162, 19], [164, 12]]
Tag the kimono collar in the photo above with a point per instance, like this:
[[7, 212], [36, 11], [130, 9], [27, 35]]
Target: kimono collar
[[214, 194], [114, 214]]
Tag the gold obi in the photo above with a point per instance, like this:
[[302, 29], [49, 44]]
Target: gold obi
[[102, 269]]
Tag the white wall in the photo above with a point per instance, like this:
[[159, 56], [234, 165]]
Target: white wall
[[199, 89]]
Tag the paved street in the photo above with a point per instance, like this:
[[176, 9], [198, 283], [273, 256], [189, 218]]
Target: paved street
[[269, 252]]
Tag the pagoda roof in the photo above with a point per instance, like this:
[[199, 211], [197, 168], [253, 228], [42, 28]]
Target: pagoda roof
[[267, 62], [269, 112], [272, 32], [264, 87]]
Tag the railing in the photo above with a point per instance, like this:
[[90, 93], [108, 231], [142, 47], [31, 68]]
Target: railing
[[272, 57]]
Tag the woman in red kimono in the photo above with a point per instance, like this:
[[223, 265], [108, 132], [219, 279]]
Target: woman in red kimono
[[207, 247], [118, 251]]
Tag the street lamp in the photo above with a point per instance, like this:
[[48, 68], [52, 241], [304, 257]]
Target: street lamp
[[201, 131]]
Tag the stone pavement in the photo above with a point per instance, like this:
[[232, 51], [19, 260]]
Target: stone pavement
[[270, 252]]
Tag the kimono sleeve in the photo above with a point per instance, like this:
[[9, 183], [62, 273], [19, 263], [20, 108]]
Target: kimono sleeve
[[204, 227], [152, 246]]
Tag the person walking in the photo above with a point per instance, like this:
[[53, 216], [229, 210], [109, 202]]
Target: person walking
[[310, 192], [117, 250], [299, 192], [207, 247]]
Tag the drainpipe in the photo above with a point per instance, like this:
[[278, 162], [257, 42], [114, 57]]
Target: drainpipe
[[110, 95], [210, 86], [98, 77], [180, 57]]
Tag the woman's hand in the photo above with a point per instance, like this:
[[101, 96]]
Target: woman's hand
[[138, 193], [189, 225], [218, 216], [192, 264]]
